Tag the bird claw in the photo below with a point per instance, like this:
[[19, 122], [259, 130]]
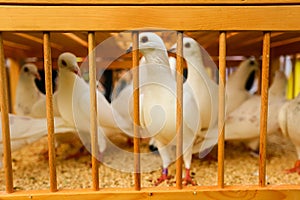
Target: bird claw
[[296, 168], [163, 178], [188, 180]]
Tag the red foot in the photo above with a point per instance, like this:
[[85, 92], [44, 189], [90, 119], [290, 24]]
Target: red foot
[[164, 177], [188, 179], [296, 168]]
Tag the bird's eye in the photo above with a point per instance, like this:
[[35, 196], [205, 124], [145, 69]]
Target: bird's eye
[[26, 69], [63, 62], [187, 45], [144, 39], [252, 62]]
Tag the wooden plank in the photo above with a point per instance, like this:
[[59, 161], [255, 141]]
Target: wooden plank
[[221, 122], [49, 109], [188, 2], [14, 71], [109, 18], [5, 122], [264, 108], [136, 110], [93, 110], [179, 109], [193, 193]]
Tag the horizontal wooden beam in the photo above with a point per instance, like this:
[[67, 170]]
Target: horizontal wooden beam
[[206, 193], [118, 18], [188, 2]]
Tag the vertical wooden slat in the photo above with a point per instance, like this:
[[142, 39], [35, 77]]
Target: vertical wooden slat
[[93, 109], [5, 122], [294, 60], [179, 111], [136, 111], [264, 108], [221, 122], [49, 108]]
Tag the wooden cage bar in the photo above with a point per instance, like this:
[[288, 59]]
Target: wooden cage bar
[[264, 108], [136, 110], [93, 110], [179, 109], [115, 18], [221, 122], [49, 110], [5, 121], [102, 15]]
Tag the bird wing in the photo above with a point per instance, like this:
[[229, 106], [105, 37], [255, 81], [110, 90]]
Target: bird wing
[[26, 130]]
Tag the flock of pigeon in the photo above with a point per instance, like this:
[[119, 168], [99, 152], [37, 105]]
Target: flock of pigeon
[[71, 104]]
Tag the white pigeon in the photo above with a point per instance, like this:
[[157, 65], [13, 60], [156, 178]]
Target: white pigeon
[[205, 91], [288, 119], [39, 108], [73, 101], [244, 122], [239, 83], [27, 93], [25, 130], [158, 104]]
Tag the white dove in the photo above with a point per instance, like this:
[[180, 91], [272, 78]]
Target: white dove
[[288, 120], [244, 122], [27, 93], [205, 91], [25, 130], [39, 108], [158, 104], [73, 101], [239, 83]]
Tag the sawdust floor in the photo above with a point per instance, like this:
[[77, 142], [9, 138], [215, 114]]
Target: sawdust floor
[[30, 168]]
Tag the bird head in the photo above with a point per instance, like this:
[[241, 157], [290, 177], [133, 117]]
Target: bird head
[[148, 42], [68, 61], [30, 70], [190, 48]]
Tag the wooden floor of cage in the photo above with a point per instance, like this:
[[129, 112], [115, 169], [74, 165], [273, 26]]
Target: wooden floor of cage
[[30, 169]]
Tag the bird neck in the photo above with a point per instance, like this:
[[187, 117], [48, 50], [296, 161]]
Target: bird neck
[[196, 69], [68, 78], [238, 79], [157, 56], [278, 88], [27, 83]]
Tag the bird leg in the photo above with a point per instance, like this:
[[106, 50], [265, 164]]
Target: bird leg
[[296, 168], [164, 176], [188, 179]]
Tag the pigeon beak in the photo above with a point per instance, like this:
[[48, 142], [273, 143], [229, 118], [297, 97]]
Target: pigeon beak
[[76, 70], [129, 50], [37, 76], [172, 50]]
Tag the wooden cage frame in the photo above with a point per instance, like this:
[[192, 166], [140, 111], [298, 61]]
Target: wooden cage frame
[[103, 15]]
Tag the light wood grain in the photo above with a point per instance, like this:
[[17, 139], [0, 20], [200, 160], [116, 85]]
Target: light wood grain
[[264, 108], [49, 109], [93, 110], [179, 109], [118, 2], [14, 72], [5, 122], [193, 193], [136, 110], [108, 18], [221, 122]]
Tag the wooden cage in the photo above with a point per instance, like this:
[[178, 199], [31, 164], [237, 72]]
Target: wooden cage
[[267, 17]]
